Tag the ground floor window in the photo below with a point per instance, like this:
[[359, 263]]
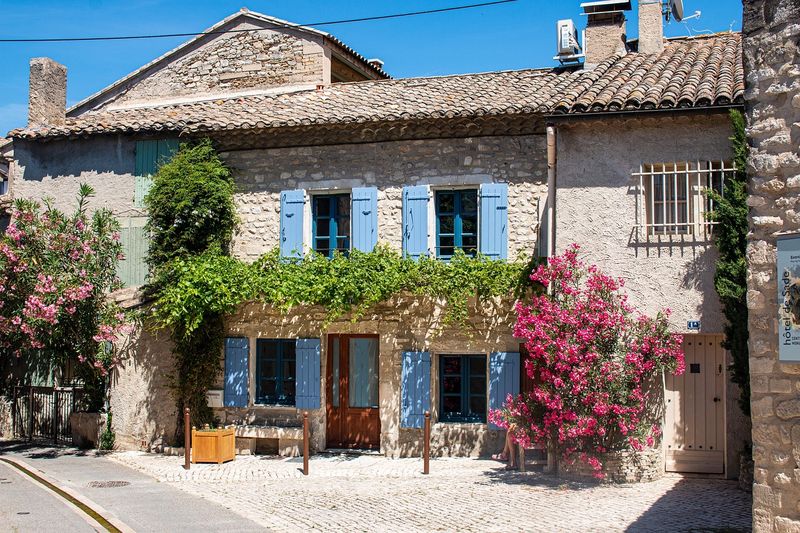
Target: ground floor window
[[462, 385], [275, 371]]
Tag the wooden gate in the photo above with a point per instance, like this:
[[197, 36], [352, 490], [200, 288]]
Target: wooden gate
[[694, 429]]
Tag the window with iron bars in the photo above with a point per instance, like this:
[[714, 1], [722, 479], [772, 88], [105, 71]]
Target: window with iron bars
[[672, 197]]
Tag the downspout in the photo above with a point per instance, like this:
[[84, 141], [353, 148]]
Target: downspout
[[551, 190]]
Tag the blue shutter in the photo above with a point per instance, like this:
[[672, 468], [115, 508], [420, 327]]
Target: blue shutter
[[415, 221], [292, 205], [493, 235], [503, 378], [150, 155], [415, 392], [237, 370], [307, 374], [365, 218]]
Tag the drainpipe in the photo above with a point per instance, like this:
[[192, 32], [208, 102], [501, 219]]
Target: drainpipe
[[551, 190]]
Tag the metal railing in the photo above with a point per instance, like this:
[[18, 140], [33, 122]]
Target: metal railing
[[44, 412]]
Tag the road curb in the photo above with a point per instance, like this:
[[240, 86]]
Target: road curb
[[37, 476]]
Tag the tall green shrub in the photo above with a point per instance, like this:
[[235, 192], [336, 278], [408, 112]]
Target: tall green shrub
[[192, 213], [730, 279]]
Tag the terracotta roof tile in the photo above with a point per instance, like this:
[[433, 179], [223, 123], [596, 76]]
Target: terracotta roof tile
[[696, 72]]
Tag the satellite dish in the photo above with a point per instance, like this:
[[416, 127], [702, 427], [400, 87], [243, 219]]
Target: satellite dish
[[676, 8]]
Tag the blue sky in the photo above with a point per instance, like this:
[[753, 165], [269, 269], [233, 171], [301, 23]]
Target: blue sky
[[507, 36]]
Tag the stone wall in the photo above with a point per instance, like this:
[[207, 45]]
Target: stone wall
[[403, 323], [267, 57], [144, 412], [596, 207], [772, 56], [262, 174], [6, 423], [620, 467]]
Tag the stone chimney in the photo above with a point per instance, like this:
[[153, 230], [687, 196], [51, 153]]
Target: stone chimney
[[605, 30], [651, 27], [47, 100], [377, 63]]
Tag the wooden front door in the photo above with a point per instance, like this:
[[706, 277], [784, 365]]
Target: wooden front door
[[694, 429], [352, 392]]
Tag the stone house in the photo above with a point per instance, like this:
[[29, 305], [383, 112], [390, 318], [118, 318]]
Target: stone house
[[328, 153]]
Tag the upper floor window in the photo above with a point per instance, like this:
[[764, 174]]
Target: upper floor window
[[275, 371], [150, 155], [331, 223], [672, 199], [456, 222]]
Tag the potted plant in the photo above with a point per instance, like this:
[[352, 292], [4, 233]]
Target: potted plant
[[213, 445]]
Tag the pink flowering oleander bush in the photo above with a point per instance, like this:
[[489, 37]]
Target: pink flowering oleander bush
[[55, 273], [593, 361]]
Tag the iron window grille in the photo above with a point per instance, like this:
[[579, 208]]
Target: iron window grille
[[275, 371], [331, 224], [672, 200], [456, 222], [462, 388]]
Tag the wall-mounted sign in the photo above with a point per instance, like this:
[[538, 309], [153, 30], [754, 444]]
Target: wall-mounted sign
[[693, 325], [789, 298]]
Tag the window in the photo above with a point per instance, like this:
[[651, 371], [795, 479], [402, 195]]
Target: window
[[672, 199], [456, 222], [132, 270], [149, 156], [331, 224], [275, 371], [462, 386]]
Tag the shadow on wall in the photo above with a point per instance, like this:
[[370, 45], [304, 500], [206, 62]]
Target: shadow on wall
[[699, 276], [75, 157], [144, 411]]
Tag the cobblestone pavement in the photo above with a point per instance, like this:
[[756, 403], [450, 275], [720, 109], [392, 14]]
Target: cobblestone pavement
[[372, 493]]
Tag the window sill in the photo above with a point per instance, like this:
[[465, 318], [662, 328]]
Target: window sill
[[461, 424], [274, 406]]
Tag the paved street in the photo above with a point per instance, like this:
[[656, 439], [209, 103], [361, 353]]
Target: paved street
[[354, 493], [26, 506], [138, 500], [371, 493]]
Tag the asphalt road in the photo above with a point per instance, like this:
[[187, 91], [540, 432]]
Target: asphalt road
[[27, 506]]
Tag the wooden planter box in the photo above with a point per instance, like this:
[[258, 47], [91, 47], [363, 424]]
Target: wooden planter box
[[213, 446]]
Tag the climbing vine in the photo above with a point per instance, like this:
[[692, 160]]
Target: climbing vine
[[216, 284], [730, 279], [191, 213]]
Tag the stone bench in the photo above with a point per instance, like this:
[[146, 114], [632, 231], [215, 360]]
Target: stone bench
[[290, 439]]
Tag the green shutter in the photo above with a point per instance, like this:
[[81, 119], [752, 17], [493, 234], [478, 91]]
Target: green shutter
[[149, 156], [132, 270]]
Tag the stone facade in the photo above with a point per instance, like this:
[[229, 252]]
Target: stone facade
[[596, 207], [402, 323], [236, 62], [772, 56], [262, 174]]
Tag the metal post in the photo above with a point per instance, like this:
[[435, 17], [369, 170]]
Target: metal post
[[30, 413], [426, 445], [14, 413], [187, 439], [56, 415], [305, 443]]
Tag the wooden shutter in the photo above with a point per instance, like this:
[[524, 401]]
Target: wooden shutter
[[237, 371], [307, 359], [132, 271], [415, 221], [149, 156], [503, 378], [292, 205], [493, 236], [365, 218], [415, 393]]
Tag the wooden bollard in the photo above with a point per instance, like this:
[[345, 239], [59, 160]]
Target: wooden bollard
[[187, 439], [305, 443], [426, 445]]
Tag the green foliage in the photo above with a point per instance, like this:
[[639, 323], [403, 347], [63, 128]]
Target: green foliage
[[190, 205], [730, 279], [192, 215], [107, 437], [212, 284]]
